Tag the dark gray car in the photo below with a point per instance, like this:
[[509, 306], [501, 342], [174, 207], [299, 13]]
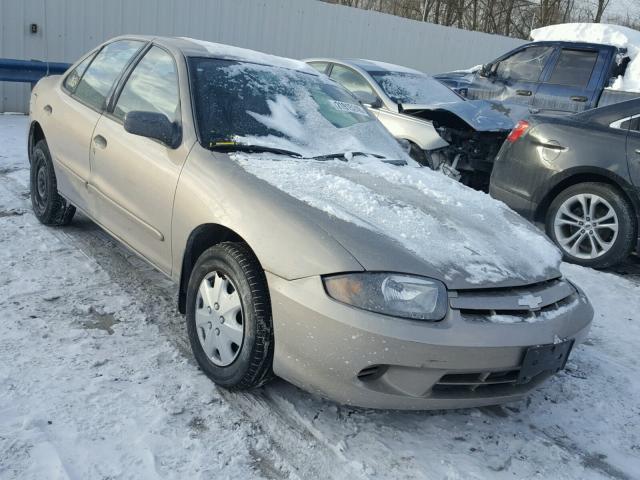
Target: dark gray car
[[579, 175]]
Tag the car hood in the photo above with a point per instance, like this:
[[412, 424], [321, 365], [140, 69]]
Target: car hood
[[481, 115], [413, 220]]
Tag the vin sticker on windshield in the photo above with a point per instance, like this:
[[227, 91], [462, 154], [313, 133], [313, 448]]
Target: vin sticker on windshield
[[349, 107]]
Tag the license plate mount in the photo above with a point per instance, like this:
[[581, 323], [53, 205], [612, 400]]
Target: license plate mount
[[544, 358]]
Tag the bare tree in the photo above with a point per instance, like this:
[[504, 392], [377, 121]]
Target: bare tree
[[513, 18]]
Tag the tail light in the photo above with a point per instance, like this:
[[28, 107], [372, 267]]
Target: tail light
[[518, 131]]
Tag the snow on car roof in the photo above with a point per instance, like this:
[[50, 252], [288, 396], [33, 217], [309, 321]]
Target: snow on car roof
[[600, 33], [252, 56], [374, 65]]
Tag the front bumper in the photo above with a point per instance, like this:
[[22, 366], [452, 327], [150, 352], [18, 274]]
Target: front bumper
[[370, 360]]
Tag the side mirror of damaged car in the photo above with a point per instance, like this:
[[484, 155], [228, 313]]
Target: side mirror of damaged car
[[368, 99], [153, 125], [486, 70]]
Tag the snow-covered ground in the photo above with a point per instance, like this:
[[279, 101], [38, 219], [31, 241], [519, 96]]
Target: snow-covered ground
[[97, 381]]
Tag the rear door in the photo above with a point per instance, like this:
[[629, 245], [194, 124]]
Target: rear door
[[133, 177], [72, 114], [572, 83], [633, 147], [516, 78]]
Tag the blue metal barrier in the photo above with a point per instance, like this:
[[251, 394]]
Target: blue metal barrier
[[28, 70]]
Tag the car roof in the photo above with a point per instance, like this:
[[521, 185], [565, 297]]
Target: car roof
[[366, 65], [191, 47], [570, 43]]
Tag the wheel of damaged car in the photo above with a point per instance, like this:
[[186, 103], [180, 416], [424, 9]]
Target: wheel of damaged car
[[48, 206], [593, 224], [229, 317]]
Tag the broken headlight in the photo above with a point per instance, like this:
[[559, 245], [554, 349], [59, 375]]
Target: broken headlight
[[394, 294]]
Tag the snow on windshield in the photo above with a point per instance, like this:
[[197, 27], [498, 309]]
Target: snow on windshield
[[275, 107], [461, 231], [618, 36], [413, 88]]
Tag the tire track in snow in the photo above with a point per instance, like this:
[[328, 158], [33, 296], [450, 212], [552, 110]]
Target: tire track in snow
[[298, 451]]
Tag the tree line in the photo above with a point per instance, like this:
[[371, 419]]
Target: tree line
[[514, 18]]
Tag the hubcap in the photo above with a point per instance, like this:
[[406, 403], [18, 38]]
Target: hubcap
[[219, 319], [586, 226]]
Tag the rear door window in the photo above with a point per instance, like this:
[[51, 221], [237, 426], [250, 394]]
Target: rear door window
[[106, 68], [525, 65], [574, 67]]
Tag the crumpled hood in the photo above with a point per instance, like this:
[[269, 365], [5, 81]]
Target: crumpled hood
[[413, 220], [481, 115]]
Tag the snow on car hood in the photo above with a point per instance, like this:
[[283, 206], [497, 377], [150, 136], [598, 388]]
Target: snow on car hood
[[616, 35], [482, 115], [467, 237]]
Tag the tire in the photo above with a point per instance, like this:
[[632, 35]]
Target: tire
[[48, 206], [568, 218], [235, 265]]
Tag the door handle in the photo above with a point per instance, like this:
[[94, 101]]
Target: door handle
[[47, 109], [638, 151], [578, 98], [524, 93], [99, 141]]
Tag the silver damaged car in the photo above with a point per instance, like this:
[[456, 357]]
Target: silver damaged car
[[306, 243]]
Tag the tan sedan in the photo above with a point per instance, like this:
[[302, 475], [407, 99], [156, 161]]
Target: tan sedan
[[305, 241]]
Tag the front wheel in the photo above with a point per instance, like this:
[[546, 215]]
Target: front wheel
[[593, 224], [229, 317], [49, 207]]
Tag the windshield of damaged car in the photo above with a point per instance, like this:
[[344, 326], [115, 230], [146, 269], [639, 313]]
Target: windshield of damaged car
[[413, 88], [251, 104]]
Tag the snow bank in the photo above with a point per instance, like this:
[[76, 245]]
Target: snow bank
[[253, 56], [462, 232], [621, 37]]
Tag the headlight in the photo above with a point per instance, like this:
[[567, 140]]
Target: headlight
[[393, 294]]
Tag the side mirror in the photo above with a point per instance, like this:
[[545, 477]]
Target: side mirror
[[368, 99], [153, 125], [486, 70]]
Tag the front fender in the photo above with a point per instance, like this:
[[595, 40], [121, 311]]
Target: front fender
[[285, 234], [419, 131]]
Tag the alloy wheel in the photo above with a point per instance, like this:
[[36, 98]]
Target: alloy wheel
[[586, 226], [219, 319]]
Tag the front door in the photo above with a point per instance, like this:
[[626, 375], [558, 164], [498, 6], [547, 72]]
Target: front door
[[514, 79], [134, 178]]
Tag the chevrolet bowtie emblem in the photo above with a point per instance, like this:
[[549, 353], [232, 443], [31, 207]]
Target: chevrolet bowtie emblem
[[530, 301]]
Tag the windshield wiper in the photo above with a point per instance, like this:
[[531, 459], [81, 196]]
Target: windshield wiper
[[343, 155], [241, 147]]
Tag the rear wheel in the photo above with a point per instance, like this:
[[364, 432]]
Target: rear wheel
[[229, 317], [593, 224], [49, 207]]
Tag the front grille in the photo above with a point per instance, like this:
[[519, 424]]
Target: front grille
[[518, 304]]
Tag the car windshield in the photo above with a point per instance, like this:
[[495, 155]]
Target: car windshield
[[288, 111], [414, 88]]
